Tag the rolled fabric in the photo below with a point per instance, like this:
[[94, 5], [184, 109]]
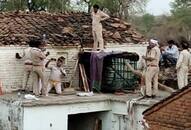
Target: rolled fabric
[[154, 42]]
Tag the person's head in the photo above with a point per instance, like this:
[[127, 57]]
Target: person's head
[[170, 43], [96, 8], [42, 46], [60, 61], [185, 44], [153, 43], [34, 43]]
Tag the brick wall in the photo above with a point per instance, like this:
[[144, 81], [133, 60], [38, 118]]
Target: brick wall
[[11, 69], [173, 116]]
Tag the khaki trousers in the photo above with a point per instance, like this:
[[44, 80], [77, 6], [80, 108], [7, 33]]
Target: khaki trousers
[[182, 75], [38, 80], [98, 39], [151, 80], [26, 77]]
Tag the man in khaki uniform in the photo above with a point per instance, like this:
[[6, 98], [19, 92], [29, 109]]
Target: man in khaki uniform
[[152, 71], [26, 55], [38, 57], [56, 75], [183, 65], [97, 17]]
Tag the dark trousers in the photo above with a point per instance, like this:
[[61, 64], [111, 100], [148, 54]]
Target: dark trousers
[[169, 60]]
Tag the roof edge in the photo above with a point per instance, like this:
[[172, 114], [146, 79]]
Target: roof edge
[[167, 100]]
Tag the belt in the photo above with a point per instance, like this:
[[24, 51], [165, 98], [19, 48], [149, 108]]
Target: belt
[[152, 65], [28, 64], [37, 65]]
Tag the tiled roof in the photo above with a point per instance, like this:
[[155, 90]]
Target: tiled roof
[[61, 29], [167, 100], [171, 113]]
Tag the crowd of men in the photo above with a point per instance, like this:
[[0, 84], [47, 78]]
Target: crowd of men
[[169, 56], [34, 65], [155, 57]]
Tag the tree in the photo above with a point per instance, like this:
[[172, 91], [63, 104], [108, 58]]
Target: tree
[[35, 5], [9, 5], [181, 14], [148, 21], [119, 8]]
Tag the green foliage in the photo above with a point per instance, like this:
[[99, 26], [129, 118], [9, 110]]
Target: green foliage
[[9, 5], [181, 12], [148, 21], [144, 23], [36, 5], [179, 4]]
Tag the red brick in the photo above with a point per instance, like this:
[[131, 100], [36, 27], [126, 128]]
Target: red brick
[[175, 115]]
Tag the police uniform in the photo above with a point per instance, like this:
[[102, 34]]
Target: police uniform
[[152, 71], [38, 57], [26, 55], [97, 28], [182, 66]]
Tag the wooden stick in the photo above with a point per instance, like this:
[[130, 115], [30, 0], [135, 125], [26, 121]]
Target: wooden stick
[[98, 124], [86, 80], [83, 79], [138, 73], [74, 72]]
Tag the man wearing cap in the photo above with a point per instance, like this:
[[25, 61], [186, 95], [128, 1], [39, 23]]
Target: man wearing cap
[[38, 57], [97, 17], [152, 71]]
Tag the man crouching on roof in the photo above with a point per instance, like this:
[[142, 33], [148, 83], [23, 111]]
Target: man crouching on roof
[[56, 74]]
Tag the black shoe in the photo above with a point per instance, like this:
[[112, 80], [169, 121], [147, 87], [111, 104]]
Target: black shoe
[[153, 96], [146, 96]]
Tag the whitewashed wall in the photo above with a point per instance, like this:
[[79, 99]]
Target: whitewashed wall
[[11, 69]]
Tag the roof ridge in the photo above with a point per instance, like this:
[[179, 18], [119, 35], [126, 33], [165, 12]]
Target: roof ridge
[[167, 100]]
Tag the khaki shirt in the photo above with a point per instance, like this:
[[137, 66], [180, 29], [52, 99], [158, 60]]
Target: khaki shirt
[[26, 55], [154, 53], [184, 59], [37, 57], [97, 18]]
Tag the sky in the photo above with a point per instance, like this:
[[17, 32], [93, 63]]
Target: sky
[[158, 7]]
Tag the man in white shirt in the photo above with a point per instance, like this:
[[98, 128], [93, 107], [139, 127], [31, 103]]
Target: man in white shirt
[[97, 17], [56, 74], [183, 65], [170, 54]]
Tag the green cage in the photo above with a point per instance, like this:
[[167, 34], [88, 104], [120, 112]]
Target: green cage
[[116, 76]]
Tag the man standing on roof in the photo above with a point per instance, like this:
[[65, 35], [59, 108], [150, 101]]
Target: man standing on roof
[[183, 65], [152, 71], [26, 55], [38, 57], [97, 17]]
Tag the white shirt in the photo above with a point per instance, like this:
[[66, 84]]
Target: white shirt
[[184, 59], [56, 73], [172, 51], [97, 18]]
